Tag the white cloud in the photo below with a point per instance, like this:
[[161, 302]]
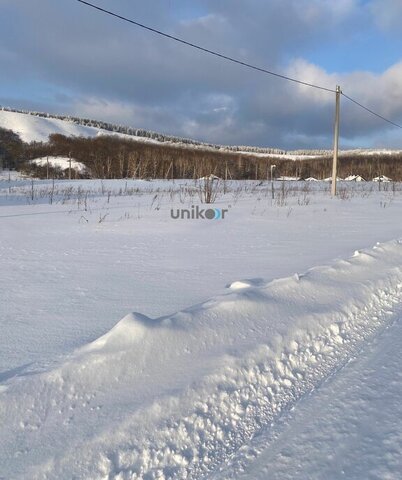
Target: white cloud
[[315, 75], [381, 93], [387, 14], [118, 73], [102, 108], [326, 10]]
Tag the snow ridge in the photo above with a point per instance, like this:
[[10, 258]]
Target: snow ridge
[[245, 396], [259, 349]]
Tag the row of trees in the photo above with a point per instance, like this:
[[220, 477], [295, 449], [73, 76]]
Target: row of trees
[[115, 157], [140, 132], [11, 149], [175, 157]]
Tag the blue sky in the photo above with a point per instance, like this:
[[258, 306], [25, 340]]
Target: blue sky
[[63, 57], [370, 51]]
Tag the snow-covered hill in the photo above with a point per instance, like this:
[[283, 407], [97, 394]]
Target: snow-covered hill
[[36, 127]]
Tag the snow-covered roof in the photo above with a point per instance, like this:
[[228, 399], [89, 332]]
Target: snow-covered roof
[[354, 178], [329, 179], [60, 162], [382, 178], [210, 177], [289, 179]]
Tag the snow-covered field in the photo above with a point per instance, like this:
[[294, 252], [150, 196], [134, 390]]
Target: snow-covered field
[[267, 344]]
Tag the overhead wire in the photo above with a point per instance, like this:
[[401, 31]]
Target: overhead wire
[[206, 50], [232, 59], [369, 110]]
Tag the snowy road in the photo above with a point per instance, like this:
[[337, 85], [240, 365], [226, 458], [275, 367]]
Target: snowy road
[[349, 428]]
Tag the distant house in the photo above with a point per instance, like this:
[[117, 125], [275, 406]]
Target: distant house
[[210, 177], [289, 179], [329, 179], [382, 178], [62, 163], [311, 179], [354, 178]]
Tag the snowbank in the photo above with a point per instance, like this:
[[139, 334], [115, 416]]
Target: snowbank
[[176, 396]]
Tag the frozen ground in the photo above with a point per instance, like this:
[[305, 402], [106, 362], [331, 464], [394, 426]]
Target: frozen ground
[[226, 388]]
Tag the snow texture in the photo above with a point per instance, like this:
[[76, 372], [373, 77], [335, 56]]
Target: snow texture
[[278, 375], [255, 354], [38, 129]]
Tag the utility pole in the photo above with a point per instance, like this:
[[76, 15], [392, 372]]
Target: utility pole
[[336, 141], [272, 182], [69, 168]]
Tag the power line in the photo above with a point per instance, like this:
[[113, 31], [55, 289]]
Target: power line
[[231, 59], [206, 50], [370, 111]]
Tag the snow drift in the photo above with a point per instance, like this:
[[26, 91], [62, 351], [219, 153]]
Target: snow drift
[[176, 396]]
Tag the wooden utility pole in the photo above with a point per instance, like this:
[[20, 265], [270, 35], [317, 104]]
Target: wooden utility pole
[[272, 182], [336, 141], [69, 168]]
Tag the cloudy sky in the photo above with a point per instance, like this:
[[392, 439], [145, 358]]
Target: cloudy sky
[[63, 57]]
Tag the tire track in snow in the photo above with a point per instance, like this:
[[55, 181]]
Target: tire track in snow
[[243, 459]]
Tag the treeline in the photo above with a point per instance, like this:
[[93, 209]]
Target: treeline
[[368, 166], [140, 132], [115, 157], [12, 149]]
